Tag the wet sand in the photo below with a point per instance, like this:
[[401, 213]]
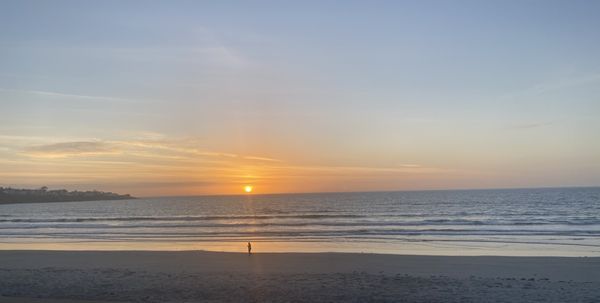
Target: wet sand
[[194, 276]]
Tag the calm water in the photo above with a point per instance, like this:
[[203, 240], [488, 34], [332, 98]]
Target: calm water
[[469, 222]]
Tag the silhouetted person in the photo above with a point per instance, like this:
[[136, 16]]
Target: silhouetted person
[[249, 248]]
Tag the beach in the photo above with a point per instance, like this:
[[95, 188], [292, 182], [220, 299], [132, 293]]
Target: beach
[[198, 276], [429, 246]]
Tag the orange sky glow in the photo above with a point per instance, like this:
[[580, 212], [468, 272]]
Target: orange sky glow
[[203, 99]]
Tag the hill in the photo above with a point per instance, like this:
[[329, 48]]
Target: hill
[[41, 195]]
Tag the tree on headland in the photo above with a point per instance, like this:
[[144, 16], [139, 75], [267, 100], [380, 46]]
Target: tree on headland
[[16, 195]]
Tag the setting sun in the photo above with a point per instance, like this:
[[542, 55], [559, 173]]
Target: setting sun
[[248, 188]]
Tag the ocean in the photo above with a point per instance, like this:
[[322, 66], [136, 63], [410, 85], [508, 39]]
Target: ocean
[[537, 222]]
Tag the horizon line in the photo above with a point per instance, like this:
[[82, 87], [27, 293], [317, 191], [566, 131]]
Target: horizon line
[[372, 191]]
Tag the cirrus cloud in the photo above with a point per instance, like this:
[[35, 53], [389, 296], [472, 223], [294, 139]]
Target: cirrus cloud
[[69, 149]]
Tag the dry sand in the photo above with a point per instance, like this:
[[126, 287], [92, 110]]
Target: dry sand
[[193, 276]]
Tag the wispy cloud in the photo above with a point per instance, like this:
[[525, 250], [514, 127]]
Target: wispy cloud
[[551, 86], [68, 95], [68, 149], [184, 166], [531, 125], [566, 82], [362, 170], [262, 159], [158, 149], [209, 55], [410, 165]]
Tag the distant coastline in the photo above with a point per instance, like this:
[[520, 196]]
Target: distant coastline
[[10, 195]]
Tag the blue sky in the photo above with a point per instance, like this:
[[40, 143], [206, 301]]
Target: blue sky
[[340, 95]]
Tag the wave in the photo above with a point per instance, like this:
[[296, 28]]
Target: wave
[[180, 218], [314, 232], [311, 219]]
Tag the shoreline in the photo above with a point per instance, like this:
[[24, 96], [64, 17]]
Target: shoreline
[[198, 276], [433, 247]]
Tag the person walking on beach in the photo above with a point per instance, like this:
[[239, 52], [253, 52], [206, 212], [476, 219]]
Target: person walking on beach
[[249, 248]]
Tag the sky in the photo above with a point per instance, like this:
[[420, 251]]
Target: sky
[[204, 97]]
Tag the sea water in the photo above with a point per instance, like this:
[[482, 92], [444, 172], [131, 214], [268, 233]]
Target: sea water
[[551, 222]]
